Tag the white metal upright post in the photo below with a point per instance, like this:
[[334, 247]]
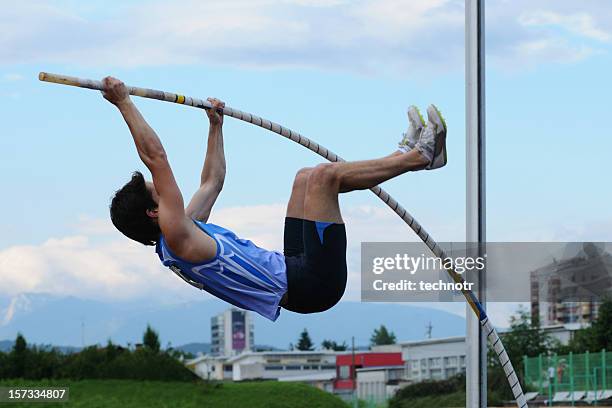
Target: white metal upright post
[[476, 341]]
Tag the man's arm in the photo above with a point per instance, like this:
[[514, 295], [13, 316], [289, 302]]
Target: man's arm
[[172, 220], [213, 172]]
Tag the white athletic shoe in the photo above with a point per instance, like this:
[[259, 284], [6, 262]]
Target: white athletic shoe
[[432, 143], [416, 124]]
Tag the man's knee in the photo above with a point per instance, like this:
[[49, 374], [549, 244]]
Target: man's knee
[[301, 177], [324, 174]]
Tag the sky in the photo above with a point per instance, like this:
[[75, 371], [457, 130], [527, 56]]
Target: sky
[[340, 72]]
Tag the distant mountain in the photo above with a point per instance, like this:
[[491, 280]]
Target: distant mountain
[[195, 348], [46, 319], [266, 347]]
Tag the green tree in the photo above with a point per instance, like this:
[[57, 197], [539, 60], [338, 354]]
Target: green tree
[[150, 339], [602, 326], [525, 336], [5, 365], [304, 342], [333, 345], [19, 356], [382, 336], [21, 345], [111, 350]]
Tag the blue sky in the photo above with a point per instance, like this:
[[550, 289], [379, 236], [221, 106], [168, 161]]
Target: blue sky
[[340, 72]]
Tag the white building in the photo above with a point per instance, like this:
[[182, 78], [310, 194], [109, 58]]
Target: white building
[[564, 332], [265, 365], [209, 367], [434, 359], [378, 384], [431, 359], [323, 380], [232, 332]]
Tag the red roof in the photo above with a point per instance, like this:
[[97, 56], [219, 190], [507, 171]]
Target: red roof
[[370, 359], [362, 360]]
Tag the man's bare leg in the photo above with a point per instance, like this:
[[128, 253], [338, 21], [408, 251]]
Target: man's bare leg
[[295, 207], [361, 175], [326, 181]]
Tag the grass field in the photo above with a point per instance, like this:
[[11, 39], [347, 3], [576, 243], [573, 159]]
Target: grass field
[[132, 394]]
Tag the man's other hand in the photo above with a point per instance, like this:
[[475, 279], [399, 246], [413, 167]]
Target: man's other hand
[[215, 118], [115, 91]]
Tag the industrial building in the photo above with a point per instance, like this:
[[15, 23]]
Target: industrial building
[[568, 290], [232, 332]]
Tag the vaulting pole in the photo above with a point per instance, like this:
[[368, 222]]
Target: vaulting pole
[[470, 297]]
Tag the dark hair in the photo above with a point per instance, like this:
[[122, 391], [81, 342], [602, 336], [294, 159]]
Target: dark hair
[[128, 211]]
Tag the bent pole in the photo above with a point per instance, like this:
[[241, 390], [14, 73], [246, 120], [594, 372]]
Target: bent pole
[[471, 298]]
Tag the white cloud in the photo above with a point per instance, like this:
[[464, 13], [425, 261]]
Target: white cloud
[[17, 303], [522, 34], [99, 263], [582, 24], [553, 50], [77, 266], [365, 36]]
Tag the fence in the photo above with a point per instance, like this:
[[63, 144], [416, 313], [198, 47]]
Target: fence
[[581, 376]]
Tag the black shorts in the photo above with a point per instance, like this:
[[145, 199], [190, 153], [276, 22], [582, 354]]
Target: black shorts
[[315, 255]]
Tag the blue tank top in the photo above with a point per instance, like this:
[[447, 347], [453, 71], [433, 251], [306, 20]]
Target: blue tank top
[[241, 273]]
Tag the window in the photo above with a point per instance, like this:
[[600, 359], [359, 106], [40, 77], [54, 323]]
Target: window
[[293, 367], [228, 367], [344, 372], [273, 368], [395, 374]]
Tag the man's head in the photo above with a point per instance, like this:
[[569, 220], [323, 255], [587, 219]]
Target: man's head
[[133, 210]]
